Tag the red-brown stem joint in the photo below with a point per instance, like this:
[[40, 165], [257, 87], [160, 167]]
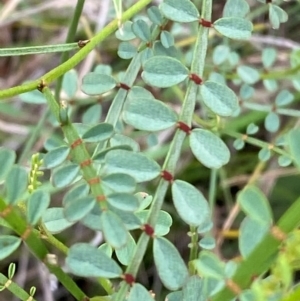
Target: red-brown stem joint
[[167, 176], [129, 279], [196, 79], [94, 181], [124, 86], [278, 234], [76, 143], [81, 43], [86, 163], [6, 211], [41, 85], [101, 198], [184, 127], [148, 229], [26, 233], [205, 23]]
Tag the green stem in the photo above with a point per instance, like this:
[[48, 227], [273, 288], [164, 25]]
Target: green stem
[[37, 247], [38, 49], [79, 152], [14, 288], [258, 143], [212, 189], [70, 37], [76, 58], [259, 260], [194, 248], [175, 148]]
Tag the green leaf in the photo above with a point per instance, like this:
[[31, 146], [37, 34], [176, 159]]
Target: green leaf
[[264, 154], [141, 29], [220, 54], [98, 133], [125, 253], [236, 8], [94, 83], [103, 69], [77, 191], [270, 84], [15, 184], [219, 98], [268, 57], [284, 98], [248, 74], [238, 144], [65, 175], [160, 50], [78, 208], [124, 33], [33, 97], [100, 157], [87, 261], [37, 204], [130, 220], [190, 203], [70, 83], [8, 244], [54, 220], [148, 114], [255, 204], [155, 15], [163, 223], [207, 242], [272, 122], [56, 156], [92, 219], [7, 159], [284, 161], [122, 140], [167, 39], [251, 234], [113, 229], [92, 115], [163, 72], [183, 11], [119, 182], [136, 165], [126, 50], [169, 264], [252, 129], [123, 201], [139, 293], [234, 28], [277, 15], [293, 139], [208, 148], [192, 291], [209, 265], [144, 199], [246, 91], [175, 296]]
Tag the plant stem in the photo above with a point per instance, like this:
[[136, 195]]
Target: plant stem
[[175, 148], [70, 37], [76, 58], [37, 247]]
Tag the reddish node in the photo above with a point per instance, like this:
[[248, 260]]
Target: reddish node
[[184, 127], [26, 234], [76, 143], [195, 78], [205, 23], [41, 85], [167, 176], [86, 163], [94, 181], [269, 1], [129, 279], [81, 43], [6, 211], [101, 198], [148, 230], [124, 86]]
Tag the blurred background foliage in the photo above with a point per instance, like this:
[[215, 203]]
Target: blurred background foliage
[[32, 22]]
